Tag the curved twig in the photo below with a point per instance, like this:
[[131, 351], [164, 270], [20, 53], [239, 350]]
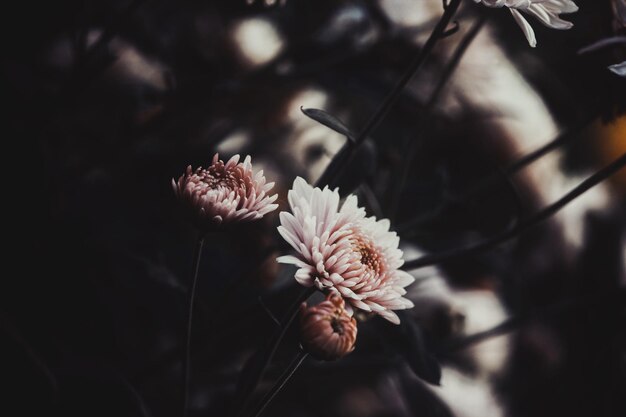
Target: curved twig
[[284, 378], [486, 183], [430, 105], [347, 151], [270, 350], [485, 245]]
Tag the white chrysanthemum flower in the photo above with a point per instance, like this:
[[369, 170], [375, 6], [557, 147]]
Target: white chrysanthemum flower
[[224, 193], [546, 11], [341, 250]]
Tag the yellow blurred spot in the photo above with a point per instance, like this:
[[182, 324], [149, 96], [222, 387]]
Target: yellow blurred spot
[[611, 145]]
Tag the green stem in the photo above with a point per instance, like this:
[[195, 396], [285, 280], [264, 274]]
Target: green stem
[[270, 349], [344, 155], [418, 141], [192, 296], [284, 378], [523, 226], [485, 184]]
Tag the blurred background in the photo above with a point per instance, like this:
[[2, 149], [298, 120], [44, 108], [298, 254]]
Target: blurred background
[[107, 101]]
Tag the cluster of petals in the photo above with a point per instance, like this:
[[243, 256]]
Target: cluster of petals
[[342, 251], [327, 331], [546, 11], [224, 193]]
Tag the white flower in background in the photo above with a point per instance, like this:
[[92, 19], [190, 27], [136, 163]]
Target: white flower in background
[[341, 251], [619, 69], [546, 11]]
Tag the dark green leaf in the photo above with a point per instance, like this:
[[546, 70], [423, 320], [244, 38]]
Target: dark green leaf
[[329, 121]]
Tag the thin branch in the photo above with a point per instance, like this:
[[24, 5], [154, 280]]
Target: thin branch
[[284, 378], [602, 43], [430, 105], [192, 295], [492, 180], [419, 60], [347, 151], [506, 326], [270, 349], [523, 226], [268, 311], [616, 296]]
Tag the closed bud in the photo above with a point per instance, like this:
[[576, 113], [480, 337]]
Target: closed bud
[[327, 331]]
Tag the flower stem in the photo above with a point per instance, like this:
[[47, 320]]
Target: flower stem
[[270, 349], [192, 294], [522, 226], [607, 298], [485, 184], [346, 152], [417, 142], [284, 378], [392, 97]]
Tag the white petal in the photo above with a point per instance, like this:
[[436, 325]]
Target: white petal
[[303, 276], [289, 238], [548, 19], [619, 69], [403, 278], [526, 28], [288, 259], [391, 316]]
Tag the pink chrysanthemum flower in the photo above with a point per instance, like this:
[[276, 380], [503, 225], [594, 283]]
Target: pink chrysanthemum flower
[[342, 251], [224, 193], [327, 331]]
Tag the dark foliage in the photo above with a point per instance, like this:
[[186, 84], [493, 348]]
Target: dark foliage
[[107, 101]]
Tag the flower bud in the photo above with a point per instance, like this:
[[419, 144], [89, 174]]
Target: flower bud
[[327, 331]]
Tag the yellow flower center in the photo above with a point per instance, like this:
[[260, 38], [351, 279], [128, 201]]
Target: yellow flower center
[[370, 255]]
